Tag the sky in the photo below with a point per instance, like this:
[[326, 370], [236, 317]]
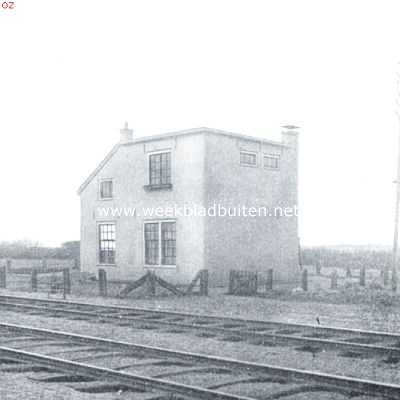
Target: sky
[[73, 71]]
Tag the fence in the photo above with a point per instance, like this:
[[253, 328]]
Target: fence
[[17, 264], [243, 283], [50, 280], [250, 283]]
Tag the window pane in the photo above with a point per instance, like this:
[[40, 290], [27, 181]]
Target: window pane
[[271, 162], [248, 158], [160, 168], [151, 243], [107, 243], [106, 189], [168, 243]]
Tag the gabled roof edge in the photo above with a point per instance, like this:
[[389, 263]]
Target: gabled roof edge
[[98, 168]]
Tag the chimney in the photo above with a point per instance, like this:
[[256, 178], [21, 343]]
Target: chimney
[[126, 134], [290, 135]]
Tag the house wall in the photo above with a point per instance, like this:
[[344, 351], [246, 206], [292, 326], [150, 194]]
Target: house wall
[[128, 168], [250, 243]]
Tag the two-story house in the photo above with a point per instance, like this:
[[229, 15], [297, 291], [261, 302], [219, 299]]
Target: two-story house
[[132, 206]]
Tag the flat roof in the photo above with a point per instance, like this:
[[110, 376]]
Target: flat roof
[[162, 136], [205, 130]]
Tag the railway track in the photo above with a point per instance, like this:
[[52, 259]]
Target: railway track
[[93, 365], [310, 338]]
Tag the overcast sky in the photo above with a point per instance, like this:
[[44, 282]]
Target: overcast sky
[[73, 71]]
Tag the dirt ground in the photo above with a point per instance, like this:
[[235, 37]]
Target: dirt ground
[[359, 316]]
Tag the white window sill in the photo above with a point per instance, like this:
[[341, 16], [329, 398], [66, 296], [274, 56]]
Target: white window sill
[[249, 165], [160, 266], [105, 265]]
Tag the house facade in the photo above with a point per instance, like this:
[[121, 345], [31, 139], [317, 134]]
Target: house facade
[[197, 199]]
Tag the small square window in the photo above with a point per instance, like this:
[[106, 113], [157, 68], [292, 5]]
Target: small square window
[[271, 161], [248, 158], [106, 189]]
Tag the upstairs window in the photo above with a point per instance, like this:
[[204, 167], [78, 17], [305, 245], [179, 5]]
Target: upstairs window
[[107, 243], [160, 243], [160, 168], [248, 158], [271, 161], [106, 189]]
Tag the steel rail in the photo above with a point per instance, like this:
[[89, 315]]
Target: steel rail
[[275, 338], [380, 389], [131, 380], [216, 318]]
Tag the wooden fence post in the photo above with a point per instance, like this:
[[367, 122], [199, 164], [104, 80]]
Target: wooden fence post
[[231, 281], [103, 282], [318, 268], [304, 280], [334, 279], [362, 276], [8, 265], [152, 283], [34, 280], [269, 282], [386, 275], [204, 282], [67, 280], [3, 277]]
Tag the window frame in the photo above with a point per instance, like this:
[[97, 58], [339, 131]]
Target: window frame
[[253, 153], [277, 157], [154, 153], [159, 222], [101, 181], [99, 224]]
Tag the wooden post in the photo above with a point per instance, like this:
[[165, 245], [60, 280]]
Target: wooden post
[[318, 268], [103, 282], [304, 280], [269, 282], [8, 265], [34, 280], [152, 283], [334, 279], [67, 281], [204, 282], [3, 277], [231, 281], [386, 275], [362, 276]]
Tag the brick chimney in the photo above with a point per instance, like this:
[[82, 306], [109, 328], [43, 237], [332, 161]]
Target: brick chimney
[[126, 134]]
